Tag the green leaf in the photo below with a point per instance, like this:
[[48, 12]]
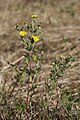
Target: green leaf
[[34, 57], [44, 103]]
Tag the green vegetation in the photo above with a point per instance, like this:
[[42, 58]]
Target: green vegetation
[[54, 100]]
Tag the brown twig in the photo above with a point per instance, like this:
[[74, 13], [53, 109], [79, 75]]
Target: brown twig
[[8, 66]]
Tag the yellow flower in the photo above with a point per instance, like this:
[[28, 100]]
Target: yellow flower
[[22, 33], [35, 38], [34, 16]]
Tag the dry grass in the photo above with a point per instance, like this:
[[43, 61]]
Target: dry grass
[[59, 18]]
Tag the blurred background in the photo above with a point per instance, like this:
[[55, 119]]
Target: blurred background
[[60, 20]]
